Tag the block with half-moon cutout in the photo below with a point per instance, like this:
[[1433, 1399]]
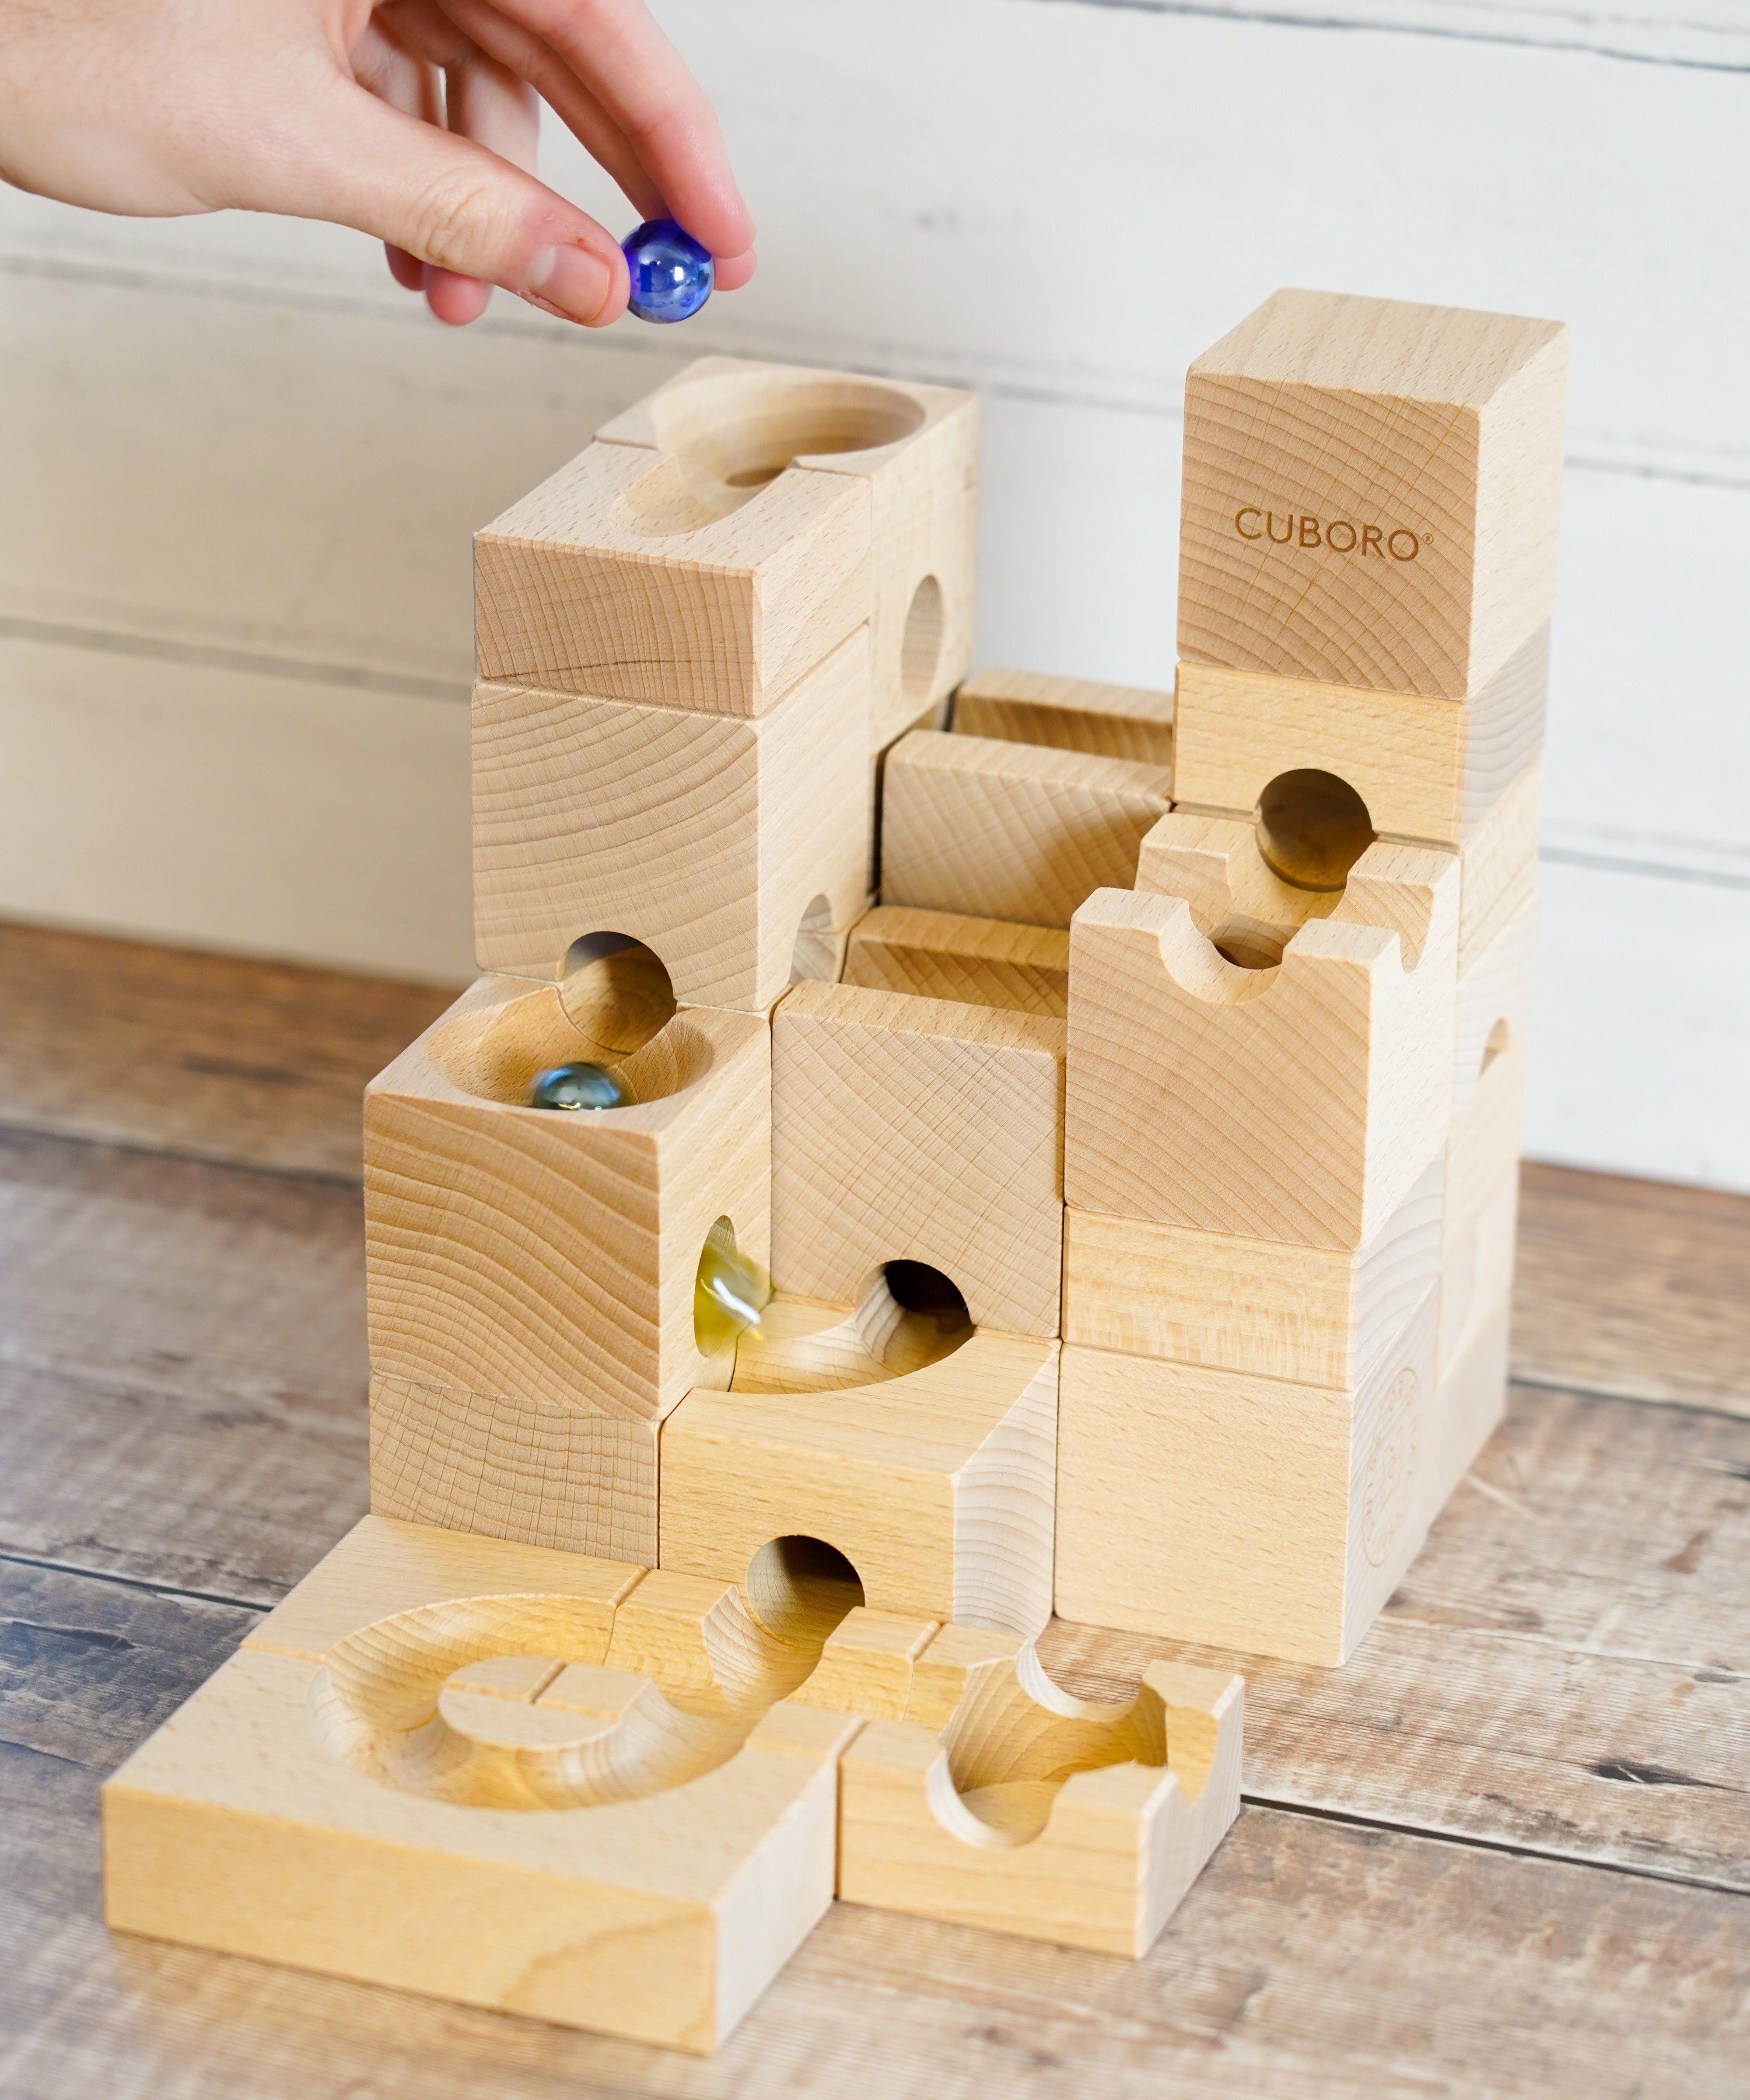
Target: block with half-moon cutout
[[920, 1130], [727, 532], [1247, 1512], [533, 1781], [734, 847], [1028, 1810], [920, 1449], [734, 427], [1372, 494], [1236, 1082], [546, 1258]]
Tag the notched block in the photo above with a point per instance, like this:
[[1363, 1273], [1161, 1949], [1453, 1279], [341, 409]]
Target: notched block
[[974, 962], [1067, 714], [547, 1257], [1011, 831], [1372, 493], [1246, 1512], [1032, 1812], [717, 841], [1214, 1087], [734, 428], [921, 1131]]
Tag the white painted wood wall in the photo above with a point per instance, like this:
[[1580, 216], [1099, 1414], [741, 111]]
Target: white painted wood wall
[[240, 470]]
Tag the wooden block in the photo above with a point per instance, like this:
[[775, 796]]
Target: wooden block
[[1496, 990], [1300, 1102], [1240, 1511], [616, 1862], [936, 1484], [1498, 866], [1316, 1315], [1055, 1817], [736, 426], [866, 1666], [919, 1130], [1068, 714], [1010, 830], [974, 962], [1473, 1394], [1476, 1270], [550, 1258], [1428, 769], [545, 1469], [1483, 1146], [714, 840], [1372, 493]]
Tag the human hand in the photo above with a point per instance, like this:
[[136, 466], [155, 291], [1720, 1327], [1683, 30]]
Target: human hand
[[336, 109]]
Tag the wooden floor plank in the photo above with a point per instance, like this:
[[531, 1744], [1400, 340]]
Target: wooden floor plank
[[1311, 1957], [1633, 1287], [182, 1366], [213, 1055]]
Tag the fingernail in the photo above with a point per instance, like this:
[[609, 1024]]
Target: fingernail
[[570, 281]]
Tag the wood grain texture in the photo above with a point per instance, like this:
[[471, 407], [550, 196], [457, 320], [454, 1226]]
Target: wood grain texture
[[974, 962], [1438, 432], [733, 423], [1315, 1316], [1060, 1819], [1496, 990], [613, 578], [708, 837], [550, 1258], [1246, 1512], [1301, 1102], [936, 1485], [1500, 866], [1067, 714], [1008, 831], [920, 1130], [217, 1056]]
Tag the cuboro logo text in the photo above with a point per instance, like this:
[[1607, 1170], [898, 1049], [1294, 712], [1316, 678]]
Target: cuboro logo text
[[1337, 537]]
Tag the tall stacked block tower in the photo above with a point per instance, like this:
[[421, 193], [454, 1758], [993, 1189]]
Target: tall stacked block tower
[[1124, 1088]]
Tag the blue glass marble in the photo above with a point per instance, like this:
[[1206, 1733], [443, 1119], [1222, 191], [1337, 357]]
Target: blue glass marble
[[577, 1086], [672, 275]]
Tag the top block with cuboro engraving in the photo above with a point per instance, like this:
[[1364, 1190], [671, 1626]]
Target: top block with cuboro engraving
[[1372, 493]]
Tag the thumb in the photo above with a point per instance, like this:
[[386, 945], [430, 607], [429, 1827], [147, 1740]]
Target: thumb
[[360, 162]]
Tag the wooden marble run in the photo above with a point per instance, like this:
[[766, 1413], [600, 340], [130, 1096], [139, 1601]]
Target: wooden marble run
[[1124, 1089]]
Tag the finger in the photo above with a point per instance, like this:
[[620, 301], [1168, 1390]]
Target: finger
[[486, 101], [732, 271], [342, 154], [383, 63], [620, 57]]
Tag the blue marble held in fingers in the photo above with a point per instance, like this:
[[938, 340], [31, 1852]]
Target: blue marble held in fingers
[[578, 1086], [672, 275]]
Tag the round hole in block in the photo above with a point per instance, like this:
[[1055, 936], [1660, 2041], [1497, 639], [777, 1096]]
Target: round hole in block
[[730, 1290], [799, 1588], [921, 646], [1312, 828], [908, 1315], [814, 959], [1499, 1037], [1249, 947], [616, 990]]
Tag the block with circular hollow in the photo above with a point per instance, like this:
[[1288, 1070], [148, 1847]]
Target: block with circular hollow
[[1029, 1812], [1246, 1512], [1372, 493], [735, 427], [546, 1258], [1220, 1088], [720, 842]]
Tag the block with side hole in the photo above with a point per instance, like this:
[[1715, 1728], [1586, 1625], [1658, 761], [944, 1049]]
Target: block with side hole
[[922, 1451], [733, 427], [1067, 714], [544, 1258], [1299, 1099], [1479, 1241], [1011, 831], [426, 1770], [1428, 769], [922, 1130], [974, 962], [716, 840], [1372, 494], [1035, 1813], [1246, 1512], [1318, 1316]]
